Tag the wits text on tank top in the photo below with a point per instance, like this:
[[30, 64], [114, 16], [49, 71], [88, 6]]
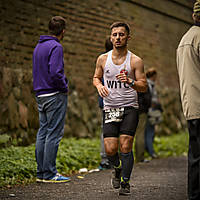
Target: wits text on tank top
[[120, 94]]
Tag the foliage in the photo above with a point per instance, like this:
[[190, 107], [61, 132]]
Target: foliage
[[78, 153], [18, 166], [4, 139], [173, 145]]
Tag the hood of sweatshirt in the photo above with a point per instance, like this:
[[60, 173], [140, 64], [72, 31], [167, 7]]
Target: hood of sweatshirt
[[44, 38]]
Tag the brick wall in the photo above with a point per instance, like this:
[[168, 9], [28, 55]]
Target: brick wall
[[156, 25]]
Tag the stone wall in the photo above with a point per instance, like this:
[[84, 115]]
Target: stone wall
[[157, 27]]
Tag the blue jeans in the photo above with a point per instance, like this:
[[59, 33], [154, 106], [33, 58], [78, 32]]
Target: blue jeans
[[194, 160], [52, 110], [149, 138]]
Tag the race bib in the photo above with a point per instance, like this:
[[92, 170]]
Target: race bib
[[114, 115]]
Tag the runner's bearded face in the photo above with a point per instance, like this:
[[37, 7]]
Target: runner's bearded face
[[119, 37]]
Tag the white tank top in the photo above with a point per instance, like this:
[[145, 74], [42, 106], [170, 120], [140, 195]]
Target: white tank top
[[120, 94]]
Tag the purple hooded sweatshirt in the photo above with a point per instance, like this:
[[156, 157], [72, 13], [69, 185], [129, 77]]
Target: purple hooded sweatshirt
[[48, 67]]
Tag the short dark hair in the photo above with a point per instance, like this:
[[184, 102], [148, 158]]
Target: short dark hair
[[151, 72], [56, 25], [119, 24]]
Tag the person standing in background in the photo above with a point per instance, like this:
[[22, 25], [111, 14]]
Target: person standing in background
[[51, 87], [188, 66], [155, 107]]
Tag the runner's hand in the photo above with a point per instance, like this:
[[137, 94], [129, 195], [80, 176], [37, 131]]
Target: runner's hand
[[123, 78], [103, 91]]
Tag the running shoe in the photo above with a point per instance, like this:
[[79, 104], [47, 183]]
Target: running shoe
[[116, 178], [58, 178], [125, 189], [104, 165]]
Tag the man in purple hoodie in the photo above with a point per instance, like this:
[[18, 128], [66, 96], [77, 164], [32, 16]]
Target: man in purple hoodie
[[51, 87]]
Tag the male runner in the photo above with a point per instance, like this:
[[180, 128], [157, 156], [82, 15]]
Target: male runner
[[123, 74]]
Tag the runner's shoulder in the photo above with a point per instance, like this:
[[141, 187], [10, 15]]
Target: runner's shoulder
[[136, 59], [102, 58]]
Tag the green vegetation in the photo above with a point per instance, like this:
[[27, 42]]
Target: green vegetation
[[173, 145], [18, 166]]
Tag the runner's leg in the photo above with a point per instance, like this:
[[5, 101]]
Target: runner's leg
[[111, 147], [126, 144]]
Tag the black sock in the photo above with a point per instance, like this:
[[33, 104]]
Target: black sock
[[114, 160], [127, 165]]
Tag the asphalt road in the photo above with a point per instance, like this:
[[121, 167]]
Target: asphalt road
[[160, 179]]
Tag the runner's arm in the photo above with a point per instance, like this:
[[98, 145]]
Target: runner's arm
[[140, 82], [97, 78]]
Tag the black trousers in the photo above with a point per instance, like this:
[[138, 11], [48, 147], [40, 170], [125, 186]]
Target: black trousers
[[194, 160]]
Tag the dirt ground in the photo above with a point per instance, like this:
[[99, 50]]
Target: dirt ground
[[160, 179]]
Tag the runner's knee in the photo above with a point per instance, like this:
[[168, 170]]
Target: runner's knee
[[111, 149], [126, 144], [125, 149]]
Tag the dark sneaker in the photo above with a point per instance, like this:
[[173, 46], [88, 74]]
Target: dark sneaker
[[116, 178], [125, 189], [57, 179], [104, 165]]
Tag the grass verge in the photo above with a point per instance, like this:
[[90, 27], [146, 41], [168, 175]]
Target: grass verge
[[18, 166]]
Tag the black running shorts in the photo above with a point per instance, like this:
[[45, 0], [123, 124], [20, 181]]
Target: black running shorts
[[127, 126]]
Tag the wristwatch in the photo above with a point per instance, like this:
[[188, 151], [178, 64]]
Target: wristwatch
[[132, 83]]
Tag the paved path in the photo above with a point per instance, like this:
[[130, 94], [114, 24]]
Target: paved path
[[160, 179]]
